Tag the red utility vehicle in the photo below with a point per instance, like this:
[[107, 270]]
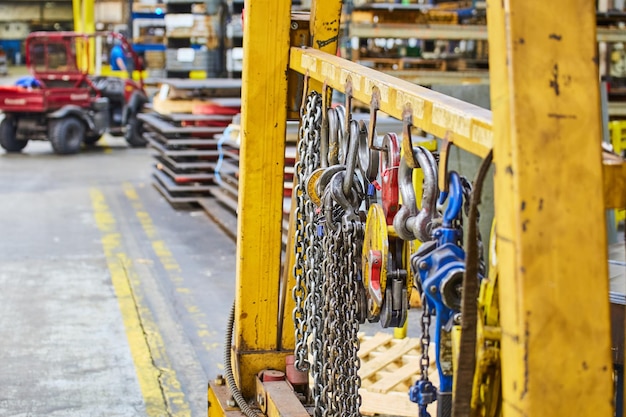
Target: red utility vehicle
[[62, 103]]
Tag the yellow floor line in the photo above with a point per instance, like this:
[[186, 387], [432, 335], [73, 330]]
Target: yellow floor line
[[159, 384], [173, 269]]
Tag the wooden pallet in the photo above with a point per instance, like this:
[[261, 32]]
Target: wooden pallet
[[389, 367]]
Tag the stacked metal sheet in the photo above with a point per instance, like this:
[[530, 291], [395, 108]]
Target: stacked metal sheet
[[185, 144]]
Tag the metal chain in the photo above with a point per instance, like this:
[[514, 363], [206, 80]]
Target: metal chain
[[355, 236], [425, 339], [308, 152], [327, 274], [326, 364], [340, 362]]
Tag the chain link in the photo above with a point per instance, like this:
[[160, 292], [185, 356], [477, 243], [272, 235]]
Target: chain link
[[425, 339], [340, 381], [304, 235], [327, 282]]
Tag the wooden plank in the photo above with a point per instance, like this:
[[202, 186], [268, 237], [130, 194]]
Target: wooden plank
[[407, 372], [402, 347], [370, 344], [392, 404]]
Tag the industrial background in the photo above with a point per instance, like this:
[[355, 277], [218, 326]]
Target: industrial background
[[312, 208]]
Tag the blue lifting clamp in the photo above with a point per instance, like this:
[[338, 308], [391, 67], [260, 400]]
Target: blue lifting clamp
[[439, 265], [423, 393]]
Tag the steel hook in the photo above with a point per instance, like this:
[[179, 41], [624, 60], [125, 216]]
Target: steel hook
[[334, 129], [410, 222], [389, 165], [368, 157], [351, 157], [455, 200]]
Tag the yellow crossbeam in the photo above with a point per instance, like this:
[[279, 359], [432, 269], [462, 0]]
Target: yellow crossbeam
[[467, 125]]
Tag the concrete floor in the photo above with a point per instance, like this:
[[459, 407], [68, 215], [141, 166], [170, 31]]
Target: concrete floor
[[112, 302]]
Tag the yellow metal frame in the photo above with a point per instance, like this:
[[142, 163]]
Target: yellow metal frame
[[84, 22], [550, 183], [259, 231], [548, 205], [617, 129]]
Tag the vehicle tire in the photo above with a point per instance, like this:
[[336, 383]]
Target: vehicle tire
[[66, 135], [91, 138], [8, 132], [134, 132]]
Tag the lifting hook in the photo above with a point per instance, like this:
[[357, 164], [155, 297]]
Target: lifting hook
[[410, 222]]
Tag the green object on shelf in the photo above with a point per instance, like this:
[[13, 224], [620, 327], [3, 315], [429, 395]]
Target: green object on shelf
[[413, 52]]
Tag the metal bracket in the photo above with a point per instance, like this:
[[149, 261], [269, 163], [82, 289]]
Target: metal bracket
[[276, 397]]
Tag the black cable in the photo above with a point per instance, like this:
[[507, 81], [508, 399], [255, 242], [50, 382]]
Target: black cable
[[228, 370], [461, 405]]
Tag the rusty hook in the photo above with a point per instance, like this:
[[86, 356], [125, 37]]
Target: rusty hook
[[372, 139], [406, 149]]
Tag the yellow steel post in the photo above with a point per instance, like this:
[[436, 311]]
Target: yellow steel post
[[89, 27], [549, 209], [325, 19], [324, 29], [89, 19], [77, 11], [84, 22], [263, 99]]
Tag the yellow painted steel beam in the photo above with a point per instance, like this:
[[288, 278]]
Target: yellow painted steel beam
[[325, 19], [278, 399], [551, 242], [429, 77], [84, 22], [89, 27], [614, 175], [468, 126], [77, 12], [220, 403], [89, 17], [263, 98]]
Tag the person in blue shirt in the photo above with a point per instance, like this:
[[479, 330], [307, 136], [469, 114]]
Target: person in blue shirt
[[117, 58]]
